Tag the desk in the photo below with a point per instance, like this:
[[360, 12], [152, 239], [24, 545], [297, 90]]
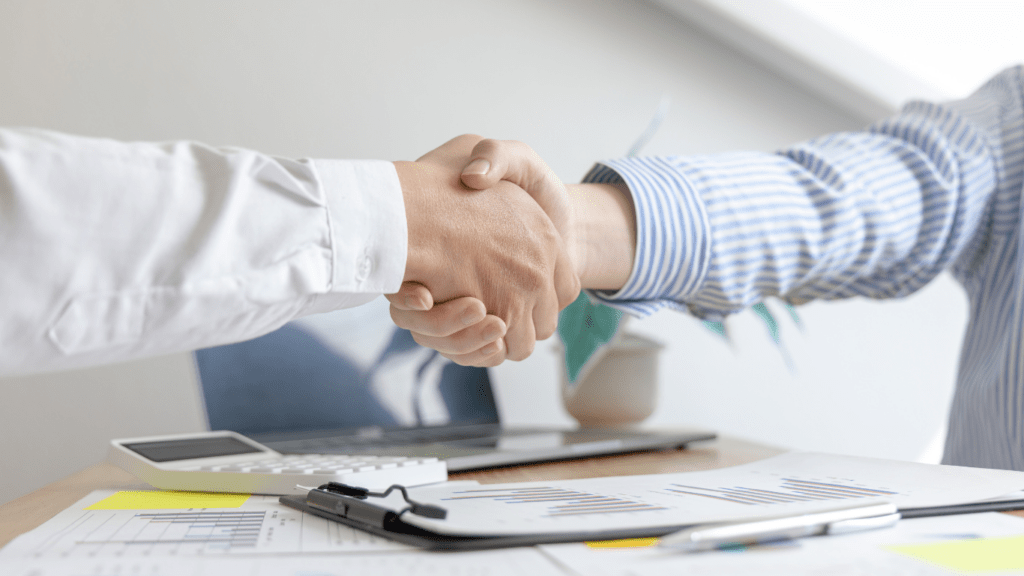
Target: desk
[[25, 513]]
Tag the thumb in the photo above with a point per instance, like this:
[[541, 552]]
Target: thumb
[[411, 296], [495, 160]]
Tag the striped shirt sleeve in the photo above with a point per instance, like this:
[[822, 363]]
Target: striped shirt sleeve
[[875, 213]]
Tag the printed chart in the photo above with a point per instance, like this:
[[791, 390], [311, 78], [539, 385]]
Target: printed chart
[[562, 501], [183, 532], [100, 527], [794, 483], [789, 490]]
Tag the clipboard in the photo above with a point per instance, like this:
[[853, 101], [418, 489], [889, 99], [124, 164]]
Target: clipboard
[[349, 505]]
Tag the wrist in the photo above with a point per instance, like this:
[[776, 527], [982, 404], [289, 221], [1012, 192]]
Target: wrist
[[416, 196], [603, 242]]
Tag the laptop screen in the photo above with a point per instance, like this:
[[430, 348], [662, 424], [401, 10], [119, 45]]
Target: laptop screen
[[347, 369]]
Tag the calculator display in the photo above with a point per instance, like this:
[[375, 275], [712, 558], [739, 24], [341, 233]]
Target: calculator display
[[190, 448]]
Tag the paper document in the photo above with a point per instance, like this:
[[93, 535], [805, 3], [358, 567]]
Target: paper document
[[787, 484], [938, 546], [98, 526], [517, 562]]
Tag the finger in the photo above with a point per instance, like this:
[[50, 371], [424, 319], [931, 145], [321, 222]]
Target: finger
[[443, 319], [494, 160], [521, 337], [488, 356], [411, 296], [466, 340], [545, 315], [567, 282]]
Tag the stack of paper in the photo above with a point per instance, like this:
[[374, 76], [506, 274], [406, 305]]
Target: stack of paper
[[167, 533], [788, 484]]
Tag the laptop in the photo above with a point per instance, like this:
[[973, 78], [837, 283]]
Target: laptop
[[351, 382]]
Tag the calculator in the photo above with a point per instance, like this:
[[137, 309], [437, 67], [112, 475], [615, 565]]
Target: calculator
[[225, 461]]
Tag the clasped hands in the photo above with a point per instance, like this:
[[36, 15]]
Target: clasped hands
[[498, 245]]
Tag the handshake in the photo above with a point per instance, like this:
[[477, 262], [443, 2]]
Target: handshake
[[498, 245]]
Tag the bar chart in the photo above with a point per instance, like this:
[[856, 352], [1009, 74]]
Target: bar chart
[[789, 490], [561, 501]]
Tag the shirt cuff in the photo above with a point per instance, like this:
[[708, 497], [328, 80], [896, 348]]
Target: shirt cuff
[[366, 215], [673, 244]]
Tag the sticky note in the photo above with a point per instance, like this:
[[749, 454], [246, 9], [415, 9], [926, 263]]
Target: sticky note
[[163, 500], [981, 555], [625, 543]]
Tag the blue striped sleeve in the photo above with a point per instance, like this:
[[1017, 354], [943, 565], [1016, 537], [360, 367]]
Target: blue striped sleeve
[[876, 213], [673, 250]]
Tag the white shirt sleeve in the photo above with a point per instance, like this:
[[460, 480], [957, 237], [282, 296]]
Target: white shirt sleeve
[[114, 250]]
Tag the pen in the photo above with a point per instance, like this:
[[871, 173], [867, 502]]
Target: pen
[[835, 521]]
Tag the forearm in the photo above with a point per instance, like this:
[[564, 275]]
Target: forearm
[[118, 250], [877, 213]]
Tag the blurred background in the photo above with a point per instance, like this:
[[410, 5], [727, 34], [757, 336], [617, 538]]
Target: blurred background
[[576, 79]]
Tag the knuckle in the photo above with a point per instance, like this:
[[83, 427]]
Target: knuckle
[[521, 147], [546, 331], [458, 359], [486, 148], [492, 357], [458, 346], [492, 361], [522, 351]]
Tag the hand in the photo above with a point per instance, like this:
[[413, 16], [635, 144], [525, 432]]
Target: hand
[[495, 245], [452, 327], [596, 220]]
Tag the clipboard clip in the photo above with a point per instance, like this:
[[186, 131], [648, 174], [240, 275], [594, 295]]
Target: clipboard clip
[[351, 502]]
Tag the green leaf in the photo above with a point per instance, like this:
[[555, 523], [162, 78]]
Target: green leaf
[[584, 328]]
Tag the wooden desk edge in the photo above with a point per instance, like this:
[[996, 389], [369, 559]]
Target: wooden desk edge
[[26, 513]]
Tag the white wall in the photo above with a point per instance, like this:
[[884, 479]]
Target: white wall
[[577, 80], [953, 46]]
